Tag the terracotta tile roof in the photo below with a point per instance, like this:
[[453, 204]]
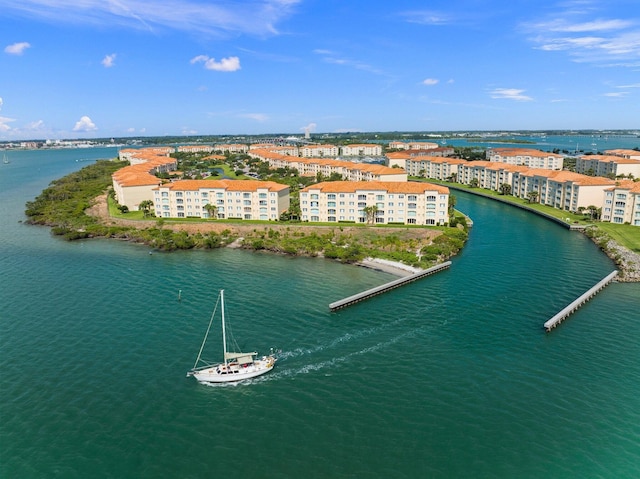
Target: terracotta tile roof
[[523, 152], [611, 159], [389, 186], [229, 185]]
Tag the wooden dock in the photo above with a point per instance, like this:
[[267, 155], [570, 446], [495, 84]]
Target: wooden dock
[[356, 298], [562, 315]]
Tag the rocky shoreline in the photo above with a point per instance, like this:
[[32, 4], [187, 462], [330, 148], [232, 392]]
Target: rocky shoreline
[[628, 262]]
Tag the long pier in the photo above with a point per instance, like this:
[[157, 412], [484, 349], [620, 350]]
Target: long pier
[[562, 315], [356, 298]]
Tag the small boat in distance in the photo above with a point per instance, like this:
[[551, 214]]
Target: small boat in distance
[[5, 160], [235, 366]]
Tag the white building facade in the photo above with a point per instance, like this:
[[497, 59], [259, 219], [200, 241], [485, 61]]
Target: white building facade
[[239, 199], [404, 203]]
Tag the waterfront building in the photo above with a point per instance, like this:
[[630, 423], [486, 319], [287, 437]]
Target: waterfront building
[[412, 145], [526, 157], [489, 175], [195, 148], [438, 168], [238, 199], [564, 190], [609, 165], [387, 202], [318, 151], [361, 150], [624, 153], [622, 203], [348, 170], [133, 184], [232, 148]]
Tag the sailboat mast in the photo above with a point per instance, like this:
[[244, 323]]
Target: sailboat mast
[[224, 333]]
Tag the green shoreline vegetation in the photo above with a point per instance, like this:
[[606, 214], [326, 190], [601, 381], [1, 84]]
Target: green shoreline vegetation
[[620, 242], [63, 205]]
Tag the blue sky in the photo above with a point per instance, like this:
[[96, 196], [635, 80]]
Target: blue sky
[[113, 68]]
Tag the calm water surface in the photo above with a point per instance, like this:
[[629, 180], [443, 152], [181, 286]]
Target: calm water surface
[[451, 376]]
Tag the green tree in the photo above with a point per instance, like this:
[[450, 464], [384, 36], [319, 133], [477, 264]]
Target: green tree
[[532, 196], [370, 212], [212, 210], [145, 206], [474, 183], [505, 189]]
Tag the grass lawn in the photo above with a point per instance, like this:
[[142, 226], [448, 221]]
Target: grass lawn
[[625, 235]]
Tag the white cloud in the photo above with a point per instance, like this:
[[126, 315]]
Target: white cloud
[[617, 94], [17, 48], [430, 81], [109, 60], [230, 64], [4, 123], [509, 94], [332, 57], [85, 124], [254, 17], [255, 116], [428, 17], [1, 102], [311, 127], [586, 38]]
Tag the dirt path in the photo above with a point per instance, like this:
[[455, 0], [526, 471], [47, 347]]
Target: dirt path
[[100, 209]]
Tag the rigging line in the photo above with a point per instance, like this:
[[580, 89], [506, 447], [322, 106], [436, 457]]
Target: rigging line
[[207, 333]]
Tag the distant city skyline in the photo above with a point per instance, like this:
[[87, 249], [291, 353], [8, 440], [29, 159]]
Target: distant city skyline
[[130, 68]]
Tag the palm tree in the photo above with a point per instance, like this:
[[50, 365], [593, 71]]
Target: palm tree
[[532, 196], [474, 183], [212, 210], [370, 211], [145, 206], [505, 188], [593, 211]]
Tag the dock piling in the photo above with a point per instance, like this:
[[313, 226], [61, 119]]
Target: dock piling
[[356, 298], [574, 305]]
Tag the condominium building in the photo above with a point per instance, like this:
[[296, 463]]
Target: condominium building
[[326, 167], [132, 184], [608, 165], [232, 147], [318, 151], [434, 167], [239, 199], [622, 203], [624, 153], [564, 190], [361, 150], [526, 157], [412, 145], [195, 148], [377, 202]]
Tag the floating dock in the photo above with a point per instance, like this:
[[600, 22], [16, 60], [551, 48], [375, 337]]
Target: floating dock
[[562, 315], [356, 298]]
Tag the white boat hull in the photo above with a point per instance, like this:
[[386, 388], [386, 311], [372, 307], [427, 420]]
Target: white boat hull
[[222, 373]]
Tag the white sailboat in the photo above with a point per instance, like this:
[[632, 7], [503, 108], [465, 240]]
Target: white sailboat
[[236, 366], [5, 160]]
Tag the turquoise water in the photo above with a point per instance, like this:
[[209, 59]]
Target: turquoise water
[[451, 376]]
